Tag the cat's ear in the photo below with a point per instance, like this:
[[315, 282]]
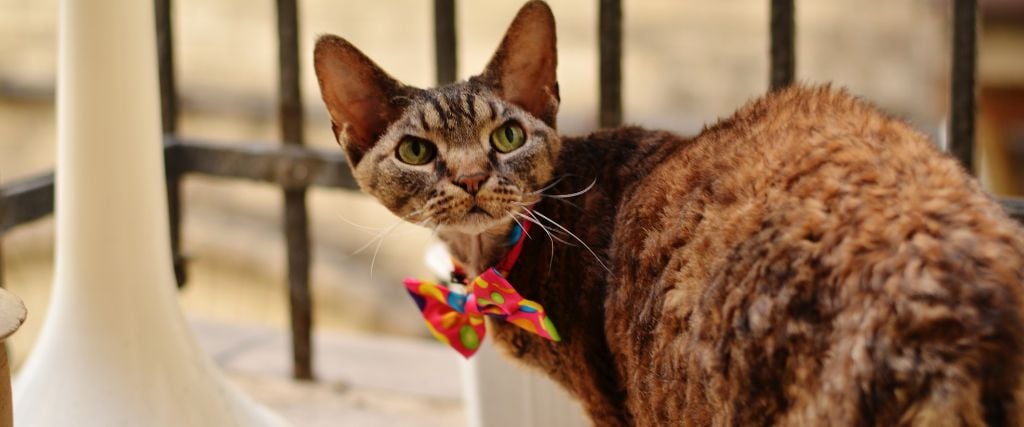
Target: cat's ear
[[522, 70], [361, 98]]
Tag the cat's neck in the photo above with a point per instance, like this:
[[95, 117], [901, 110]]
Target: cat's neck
[[477, 251]]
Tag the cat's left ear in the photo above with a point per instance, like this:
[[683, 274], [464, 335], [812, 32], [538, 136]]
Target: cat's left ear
[[522, 70]]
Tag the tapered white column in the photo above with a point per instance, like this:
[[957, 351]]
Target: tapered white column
[[115, 350], [500, 393]]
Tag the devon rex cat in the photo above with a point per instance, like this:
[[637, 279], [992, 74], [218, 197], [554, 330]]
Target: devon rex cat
[[807, 261]]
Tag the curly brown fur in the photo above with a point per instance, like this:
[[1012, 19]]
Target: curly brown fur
[[807, 261]]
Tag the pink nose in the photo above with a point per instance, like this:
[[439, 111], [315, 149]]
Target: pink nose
[[471, 183]]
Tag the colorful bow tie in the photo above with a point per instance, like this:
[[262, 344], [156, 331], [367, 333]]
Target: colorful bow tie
[[457, 319]]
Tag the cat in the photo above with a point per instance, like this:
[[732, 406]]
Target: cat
[[807, 261]]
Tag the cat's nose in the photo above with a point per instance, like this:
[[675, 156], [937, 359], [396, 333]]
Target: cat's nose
[[471, 182]]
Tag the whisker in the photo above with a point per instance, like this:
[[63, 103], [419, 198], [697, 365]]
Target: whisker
[[373, 260], [537, 221], [552, 184], [585, 245], [387, 230], [361, 226], [566, 196], [551, 259], [520, 226], [381, 243], [542, 227], [570, 203], [377, 237]]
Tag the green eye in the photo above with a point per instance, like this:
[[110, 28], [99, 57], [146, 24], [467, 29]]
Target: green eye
[[416, 151], [508, 137]]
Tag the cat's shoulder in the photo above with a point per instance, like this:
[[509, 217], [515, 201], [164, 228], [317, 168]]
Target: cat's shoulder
[[798, 120], [799, 104], [622, 135], [800, 109]]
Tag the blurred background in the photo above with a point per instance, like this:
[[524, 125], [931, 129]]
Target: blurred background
[[686, 64]]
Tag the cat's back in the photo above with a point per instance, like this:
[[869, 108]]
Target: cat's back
[[811, 250]]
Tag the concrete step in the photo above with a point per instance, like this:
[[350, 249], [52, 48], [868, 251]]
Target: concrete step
[[362, 380]]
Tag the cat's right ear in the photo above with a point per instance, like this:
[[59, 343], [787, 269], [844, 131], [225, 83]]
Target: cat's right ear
[[361, 98], [522, 70]]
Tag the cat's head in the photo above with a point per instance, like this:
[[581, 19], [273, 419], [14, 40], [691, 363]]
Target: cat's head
[[463, 156]]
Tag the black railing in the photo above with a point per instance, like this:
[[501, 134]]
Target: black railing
[[963, 93], [782, 45], [609, 28], [294, 168], [445, 57], [296, 218]]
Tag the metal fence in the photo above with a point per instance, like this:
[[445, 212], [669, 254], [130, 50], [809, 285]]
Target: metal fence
[[295, 168]]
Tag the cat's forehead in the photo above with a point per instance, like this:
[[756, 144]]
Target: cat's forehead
[[450, 108]]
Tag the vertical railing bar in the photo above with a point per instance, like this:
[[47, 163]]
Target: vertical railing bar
[[445, 57], [296, 221], [165, 61], [610, 62], [962, 89], [169, 125], [783, 44]]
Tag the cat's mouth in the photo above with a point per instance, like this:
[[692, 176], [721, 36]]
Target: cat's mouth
[[477, 210], [475, 220]]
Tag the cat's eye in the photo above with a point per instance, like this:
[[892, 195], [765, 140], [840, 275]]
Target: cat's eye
[[508, 137], [416, 151]]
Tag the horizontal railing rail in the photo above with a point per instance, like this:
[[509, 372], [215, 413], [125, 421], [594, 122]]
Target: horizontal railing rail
[[25, 200], [28, 199], [286, 166]]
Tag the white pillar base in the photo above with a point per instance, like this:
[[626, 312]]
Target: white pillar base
[[130, 363], [115, 349]]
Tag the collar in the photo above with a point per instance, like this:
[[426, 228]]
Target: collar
[[455, 313], [514, 242]]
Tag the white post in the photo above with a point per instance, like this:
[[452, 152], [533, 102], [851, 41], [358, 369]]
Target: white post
[[504, 394], [115, 350]]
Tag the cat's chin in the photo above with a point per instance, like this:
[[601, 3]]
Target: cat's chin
[[475, 223]]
